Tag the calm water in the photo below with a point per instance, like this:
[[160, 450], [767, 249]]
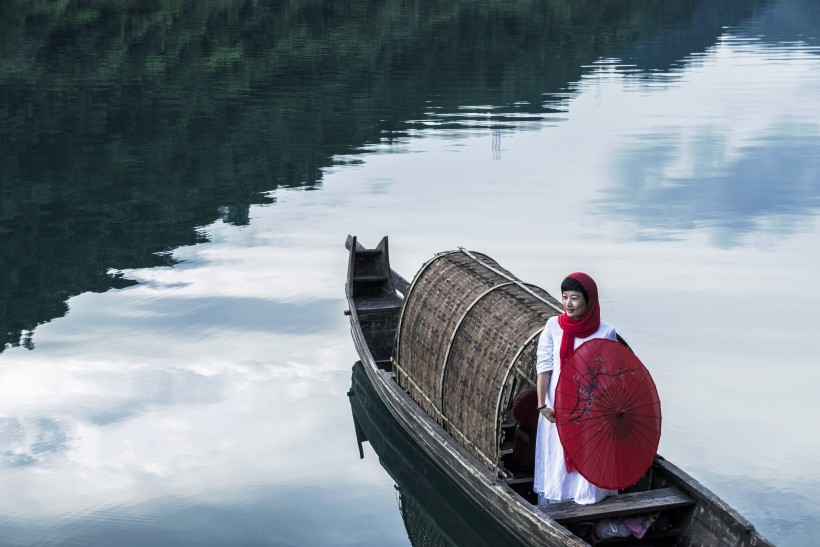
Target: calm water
[[177, 180]]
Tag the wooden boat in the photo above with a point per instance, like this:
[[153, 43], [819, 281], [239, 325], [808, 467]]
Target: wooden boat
[[448, 353]]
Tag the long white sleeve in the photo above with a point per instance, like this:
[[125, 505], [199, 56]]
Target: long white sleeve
[[544, 353]]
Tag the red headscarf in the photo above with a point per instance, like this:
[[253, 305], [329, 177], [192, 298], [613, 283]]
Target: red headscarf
[[581, 328], [585, 326]]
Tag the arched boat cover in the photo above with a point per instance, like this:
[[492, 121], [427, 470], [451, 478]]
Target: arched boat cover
[[466, 345]]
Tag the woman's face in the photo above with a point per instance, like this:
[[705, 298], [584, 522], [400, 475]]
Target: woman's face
[[574, 304]]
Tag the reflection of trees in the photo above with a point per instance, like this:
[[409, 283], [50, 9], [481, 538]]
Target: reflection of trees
[[671, 45], [785, 21], [125, 124]]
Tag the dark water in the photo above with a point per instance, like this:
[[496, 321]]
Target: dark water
[[177, 180]]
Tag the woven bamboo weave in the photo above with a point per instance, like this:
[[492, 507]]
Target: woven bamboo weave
[[467, 338]]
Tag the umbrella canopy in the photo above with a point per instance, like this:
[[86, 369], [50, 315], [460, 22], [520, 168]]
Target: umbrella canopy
[[608, 414]]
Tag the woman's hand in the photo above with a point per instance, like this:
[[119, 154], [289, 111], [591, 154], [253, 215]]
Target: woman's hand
[[548, 413]]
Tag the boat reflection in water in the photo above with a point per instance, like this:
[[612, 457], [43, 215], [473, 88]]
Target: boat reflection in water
[[435, 512]]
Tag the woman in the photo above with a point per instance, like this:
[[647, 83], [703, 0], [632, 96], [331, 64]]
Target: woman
[[581, 321]]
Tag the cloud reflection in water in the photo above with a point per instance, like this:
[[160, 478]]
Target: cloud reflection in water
[[727, 147], [768, 188]]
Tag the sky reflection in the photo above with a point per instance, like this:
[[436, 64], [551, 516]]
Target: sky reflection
[[214, 391], [729, 147], [177, 393]]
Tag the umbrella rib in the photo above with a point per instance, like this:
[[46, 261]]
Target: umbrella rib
[[644, 404], [644, 428], [637, 383], [607, 453], [641, 450], [599, 436], [647, 439], [584, 429], [637, 452], [587, 452]]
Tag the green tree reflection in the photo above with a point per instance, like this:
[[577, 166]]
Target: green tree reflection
[[127, 124]]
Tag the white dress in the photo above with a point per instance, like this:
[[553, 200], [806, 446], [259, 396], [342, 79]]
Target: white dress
[[552, 481]]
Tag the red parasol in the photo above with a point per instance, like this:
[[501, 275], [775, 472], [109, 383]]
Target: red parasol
[[608, 414]]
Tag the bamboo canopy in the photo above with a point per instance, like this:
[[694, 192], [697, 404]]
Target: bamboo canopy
[[466, 345]]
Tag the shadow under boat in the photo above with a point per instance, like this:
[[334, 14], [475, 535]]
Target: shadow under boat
[[434, 510]]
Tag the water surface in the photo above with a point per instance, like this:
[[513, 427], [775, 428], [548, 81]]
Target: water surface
[[177, 181]]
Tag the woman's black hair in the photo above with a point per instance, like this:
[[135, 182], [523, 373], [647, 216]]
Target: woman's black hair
[[572, 284]]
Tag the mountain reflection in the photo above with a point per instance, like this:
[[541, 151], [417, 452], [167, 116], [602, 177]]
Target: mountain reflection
[[785, 21], [125, 125]]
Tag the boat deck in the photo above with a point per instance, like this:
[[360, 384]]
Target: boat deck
[[379, 303], [662, 499]]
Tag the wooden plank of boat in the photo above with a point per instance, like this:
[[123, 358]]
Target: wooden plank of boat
[[661, 499]]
